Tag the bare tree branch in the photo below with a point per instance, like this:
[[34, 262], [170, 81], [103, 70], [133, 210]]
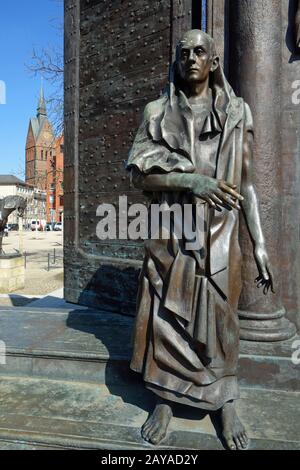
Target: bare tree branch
[[49, 64]]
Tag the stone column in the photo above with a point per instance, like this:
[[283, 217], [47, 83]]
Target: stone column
[[21, 236], [255, 72], [216, 26]]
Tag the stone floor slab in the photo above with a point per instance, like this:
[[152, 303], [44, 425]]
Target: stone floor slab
[[77, 415]]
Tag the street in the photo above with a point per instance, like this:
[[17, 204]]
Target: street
[[44, 264]]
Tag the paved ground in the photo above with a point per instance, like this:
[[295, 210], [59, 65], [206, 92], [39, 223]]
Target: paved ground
[[38, 280], [66, 382]]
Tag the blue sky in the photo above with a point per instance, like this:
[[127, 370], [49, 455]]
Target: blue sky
[[24, 25]]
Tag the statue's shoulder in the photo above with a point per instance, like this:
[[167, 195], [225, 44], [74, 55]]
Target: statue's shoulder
[[237, 104], [249, 124], [239, 109], [240, 103], [154, 108]]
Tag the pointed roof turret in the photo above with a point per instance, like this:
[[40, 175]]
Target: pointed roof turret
[[41, 110], [41, 120]]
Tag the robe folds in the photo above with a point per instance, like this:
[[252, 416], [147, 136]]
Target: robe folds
[[186, 335]]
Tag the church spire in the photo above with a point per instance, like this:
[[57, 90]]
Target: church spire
[[41, 110]]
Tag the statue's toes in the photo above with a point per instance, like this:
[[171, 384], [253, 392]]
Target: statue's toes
[[157, 434], [238, 442], [230, 441], [240, 437], [146, 429], [244, 439]]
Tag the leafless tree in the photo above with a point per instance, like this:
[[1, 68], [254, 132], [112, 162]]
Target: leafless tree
[[49, 64]]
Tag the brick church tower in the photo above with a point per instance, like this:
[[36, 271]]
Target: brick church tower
[[40, 144]]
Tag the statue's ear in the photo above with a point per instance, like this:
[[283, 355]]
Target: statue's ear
[[215, 63]]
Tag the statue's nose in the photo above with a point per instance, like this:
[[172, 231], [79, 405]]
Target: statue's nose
[[192, 56]]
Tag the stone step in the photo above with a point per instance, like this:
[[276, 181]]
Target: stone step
[[16, 445], [78, 344], [269, 365], [40, 413], [94, 346]]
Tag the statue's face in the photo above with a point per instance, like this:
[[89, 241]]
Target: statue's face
[[196, 59]]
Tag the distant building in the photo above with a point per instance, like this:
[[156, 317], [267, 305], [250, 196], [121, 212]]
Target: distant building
[[55, 176], [10, 185], [39, 146], [45, 162]]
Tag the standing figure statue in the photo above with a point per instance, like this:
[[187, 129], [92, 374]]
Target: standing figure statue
[[194, 147], [8, 205]]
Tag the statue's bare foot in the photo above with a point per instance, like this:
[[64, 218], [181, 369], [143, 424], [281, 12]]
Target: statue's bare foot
[[155, 428], [234, 432]]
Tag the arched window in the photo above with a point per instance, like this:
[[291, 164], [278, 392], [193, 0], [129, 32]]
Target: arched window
[[42, 154]]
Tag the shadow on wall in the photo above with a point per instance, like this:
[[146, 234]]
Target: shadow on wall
[[290, 37], [113, 289]]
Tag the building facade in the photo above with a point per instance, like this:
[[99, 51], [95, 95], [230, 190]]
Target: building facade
[[44, 162], [10, 185], [39, 146], [55, 190]]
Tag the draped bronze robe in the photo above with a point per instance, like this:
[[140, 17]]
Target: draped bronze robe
[[186, 336]]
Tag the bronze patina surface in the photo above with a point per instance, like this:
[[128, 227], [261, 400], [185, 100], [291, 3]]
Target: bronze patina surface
[[8, 205], [194, 146]]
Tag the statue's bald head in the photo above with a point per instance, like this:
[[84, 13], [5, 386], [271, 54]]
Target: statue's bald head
[[196, 57], [196, 37]]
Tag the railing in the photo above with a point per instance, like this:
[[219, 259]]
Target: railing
[[53, 259]]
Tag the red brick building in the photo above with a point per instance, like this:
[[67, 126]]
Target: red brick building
[[45, 161], [54, 187], [39, 146]]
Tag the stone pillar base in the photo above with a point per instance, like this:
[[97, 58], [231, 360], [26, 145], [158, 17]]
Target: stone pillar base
[[12, 273], [265, 326]]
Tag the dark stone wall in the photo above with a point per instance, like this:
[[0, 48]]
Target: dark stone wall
[[117, 56]]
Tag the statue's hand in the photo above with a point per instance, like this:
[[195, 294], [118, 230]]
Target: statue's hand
[[216, 193], [265, 278]]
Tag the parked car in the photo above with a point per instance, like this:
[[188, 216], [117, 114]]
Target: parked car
[[48, 227], [36, 225], [58, 227], [13, 227]]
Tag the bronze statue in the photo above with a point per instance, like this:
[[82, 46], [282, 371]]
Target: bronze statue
[[8, 205], [195, 147]]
